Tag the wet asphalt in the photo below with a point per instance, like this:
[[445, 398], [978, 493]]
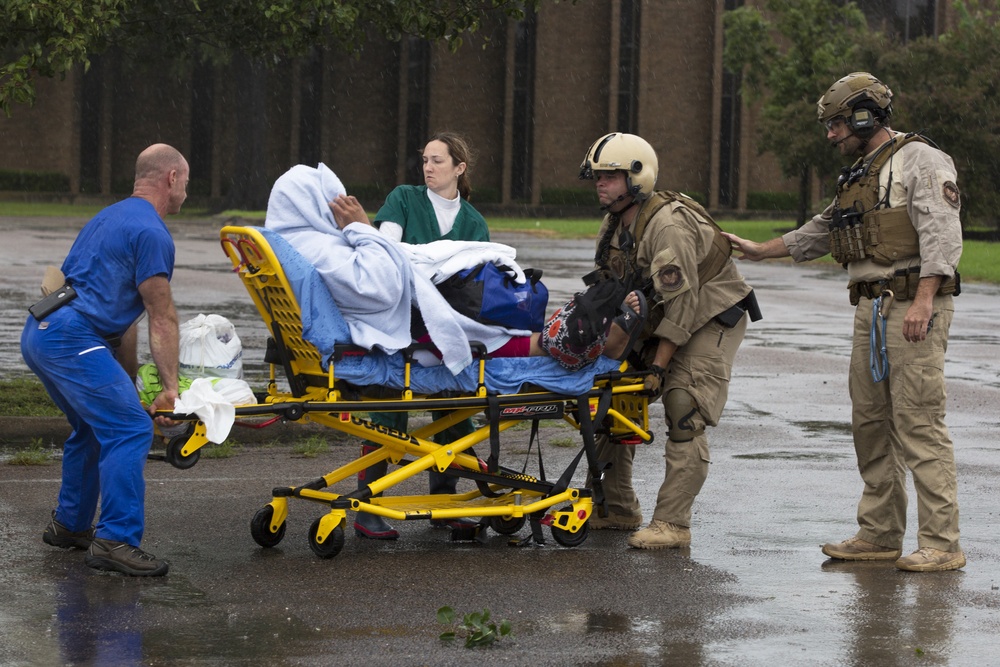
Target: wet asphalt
[[753, 589]]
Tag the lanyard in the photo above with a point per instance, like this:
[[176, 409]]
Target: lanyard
[[878, 357]]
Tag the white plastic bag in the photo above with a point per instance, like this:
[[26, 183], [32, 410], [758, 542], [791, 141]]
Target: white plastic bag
[[237, 392], [209, 347]]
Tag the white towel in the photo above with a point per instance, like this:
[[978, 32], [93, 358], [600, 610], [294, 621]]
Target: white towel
[[212, 408], [442, 259]]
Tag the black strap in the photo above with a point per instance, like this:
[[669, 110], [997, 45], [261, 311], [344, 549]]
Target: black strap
[[493, 413], [589, 442], [486, 491], [564, 480], [531, 442], [587, 431]]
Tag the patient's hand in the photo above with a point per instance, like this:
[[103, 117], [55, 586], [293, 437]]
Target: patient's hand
[[347, 209]]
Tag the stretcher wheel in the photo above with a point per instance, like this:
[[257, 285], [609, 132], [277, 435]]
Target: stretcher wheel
[[506, 526], [333, 544], [260, 528], [173, 454], [568, 539]]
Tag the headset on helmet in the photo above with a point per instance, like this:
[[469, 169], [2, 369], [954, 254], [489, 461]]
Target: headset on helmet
[[624, 152], [860, 99]]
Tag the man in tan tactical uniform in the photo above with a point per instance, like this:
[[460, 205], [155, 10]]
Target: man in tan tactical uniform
[[667, 245], [895, 225]]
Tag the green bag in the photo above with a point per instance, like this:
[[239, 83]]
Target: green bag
[[147, 382]]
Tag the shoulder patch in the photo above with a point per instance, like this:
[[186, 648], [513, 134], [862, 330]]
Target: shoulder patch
[[951, 194], [669, 278]]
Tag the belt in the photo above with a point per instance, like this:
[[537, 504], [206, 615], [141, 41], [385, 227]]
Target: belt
[[903, 284], [871, 290]]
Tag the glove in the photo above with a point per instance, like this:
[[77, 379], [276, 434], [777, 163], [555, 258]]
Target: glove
[[654, 381]]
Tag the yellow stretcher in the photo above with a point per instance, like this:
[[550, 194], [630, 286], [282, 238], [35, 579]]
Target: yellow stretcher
[[322, 391]]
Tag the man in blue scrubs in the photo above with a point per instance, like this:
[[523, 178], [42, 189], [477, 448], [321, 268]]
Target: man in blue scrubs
[[84, 352]]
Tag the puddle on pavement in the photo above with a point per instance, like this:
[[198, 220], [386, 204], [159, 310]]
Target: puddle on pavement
[[790, 456], [827, 431], [816, 429], [744, 408], [110, 620]]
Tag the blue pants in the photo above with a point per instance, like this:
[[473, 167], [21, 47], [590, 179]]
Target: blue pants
[[105, 455]]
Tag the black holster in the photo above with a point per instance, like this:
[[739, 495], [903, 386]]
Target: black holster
[[731, 316]]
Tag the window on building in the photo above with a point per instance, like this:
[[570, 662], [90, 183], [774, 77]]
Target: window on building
[[729, 140], [90, 126], [202, 118], [524, 103], [906, 19], [417, 106], [628, 66], [729, 132], [311, 109]]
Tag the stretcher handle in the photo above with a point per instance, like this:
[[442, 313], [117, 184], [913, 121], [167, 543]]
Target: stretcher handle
[[241, 246], [341, 350], [413, 347]]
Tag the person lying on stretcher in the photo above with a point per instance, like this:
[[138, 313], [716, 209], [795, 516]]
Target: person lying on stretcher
[[373, 281], [556, 338]]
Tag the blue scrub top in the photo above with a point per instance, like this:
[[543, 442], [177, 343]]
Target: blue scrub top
[[122, 246]]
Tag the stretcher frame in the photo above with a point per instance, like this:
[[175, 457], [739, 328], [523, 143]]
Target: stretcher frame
[[504, 498]]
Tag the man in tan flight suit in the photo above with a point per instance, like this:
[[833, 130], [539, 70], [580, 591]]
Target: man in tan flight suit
[[895, 225], [665, 244]]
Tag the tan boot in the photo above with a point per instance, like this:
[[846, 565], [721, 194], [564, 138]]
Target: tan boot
[[856, 548], [660, 535], [615, 521], [931, 560]]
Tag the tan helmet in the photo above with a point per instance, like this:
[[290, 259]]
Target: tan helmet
[[858, 89], [624, 152]]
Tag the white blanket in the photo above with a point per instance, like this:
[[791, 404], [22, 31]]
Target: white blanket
[[440, 260], [369, 276]]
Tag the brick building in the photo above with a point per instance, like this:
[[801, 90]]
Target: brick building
[[530, 96]]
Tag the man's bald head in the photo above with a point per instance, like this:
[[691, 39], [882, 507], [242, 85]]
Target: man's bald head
[[156, 160], [161, 177]]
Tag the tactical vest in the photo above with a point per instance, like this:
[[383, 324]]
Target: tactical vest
[[622, 266], [625, 267], [863, 225]]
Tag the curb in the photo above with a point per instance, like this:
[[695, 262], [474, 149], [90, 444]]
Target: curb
[[18, 431], [23, 430]]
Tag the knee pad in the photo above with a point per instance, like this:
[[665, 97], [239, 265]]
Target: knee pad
[[681, 409]]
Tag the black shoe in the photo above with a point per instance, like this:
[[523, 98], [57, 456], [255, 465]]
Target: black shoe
[[374, 527], [631, 322], [120, 557], [60, 536]]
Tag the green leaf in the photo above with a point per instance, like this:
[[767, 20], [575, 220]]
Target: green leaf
[[447, 636], [485, 638], [446, 615]]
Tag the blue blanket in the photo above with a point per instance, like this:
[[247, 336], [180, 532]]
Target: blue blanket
[[323, 325], [504, 375]]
